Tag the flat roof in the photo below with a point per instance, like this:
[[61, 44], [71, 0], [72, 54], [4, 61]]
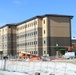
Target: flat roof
[[57, 15], [40, 16], [7, 25]]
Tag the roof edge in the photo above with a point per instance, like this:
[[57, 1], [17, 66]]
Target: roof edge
[[58, 15], [7, 25], [40, 16]]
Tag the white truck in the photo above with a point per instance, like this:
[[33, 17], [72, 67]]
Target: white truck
[[69, 55]]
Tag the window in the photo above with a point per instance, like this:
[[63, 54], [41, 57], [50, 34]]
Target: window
[[32, 33], [44, 31], [44, 52], [25, 43], [25, 35], [20, 28], [35, 22], [44, 21], [34, 52], [28, 34], [36, 42], [44, 42], [32, 43], [36, 32], [28, 25], [32, 24], [28, 43]]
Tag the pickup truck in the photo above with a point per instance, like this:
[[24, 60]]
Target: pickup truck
[[69, 55]]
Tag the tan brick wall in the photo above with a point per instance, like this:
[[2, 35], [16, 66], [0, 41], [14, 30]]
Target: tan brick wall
[[60, 27]]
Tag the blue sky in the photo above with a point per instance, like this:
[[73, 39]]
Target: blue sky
[[14, 11]]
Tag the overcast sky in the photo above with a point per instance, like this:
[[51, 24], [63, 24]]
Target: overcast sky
[[14, 11]]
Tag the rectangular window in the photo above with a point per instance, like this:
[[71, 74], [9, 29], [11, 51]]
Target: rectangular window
[[34, 52], [28, 43], [44, 42], [36, 32], [28, 34], [44, 52], [36, 42], [44, 21], [30, 24], [26, 26], [44, 31], [34, 23], [32, 43]]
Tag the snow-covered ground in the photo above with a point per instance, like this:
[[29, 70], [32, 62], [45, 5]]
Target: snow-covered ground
[[10, 73], [44, 68]]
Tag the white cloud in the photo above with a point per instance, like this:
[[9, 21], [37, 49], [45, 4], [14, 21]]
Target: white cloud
[[20, 2], [17, 2]]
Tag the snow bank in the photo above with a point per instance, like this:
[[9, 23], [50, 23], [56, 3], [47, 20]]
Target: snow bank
[[45, 68]]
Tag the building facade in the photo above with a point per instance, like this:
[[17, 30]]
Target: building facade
[[74, 44], [8, 39], [39, 35]]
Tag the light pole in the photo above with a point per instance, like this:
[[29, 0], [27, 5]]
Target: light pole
[[57, 51], [56, 44]]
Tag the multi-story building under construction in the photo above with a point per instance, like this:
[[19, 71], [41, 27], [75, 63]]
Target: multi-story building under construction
[[39, 35]]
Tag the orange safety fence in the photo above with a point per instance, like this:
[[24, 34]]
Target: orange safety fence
[[22, 55], [34, 58]]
